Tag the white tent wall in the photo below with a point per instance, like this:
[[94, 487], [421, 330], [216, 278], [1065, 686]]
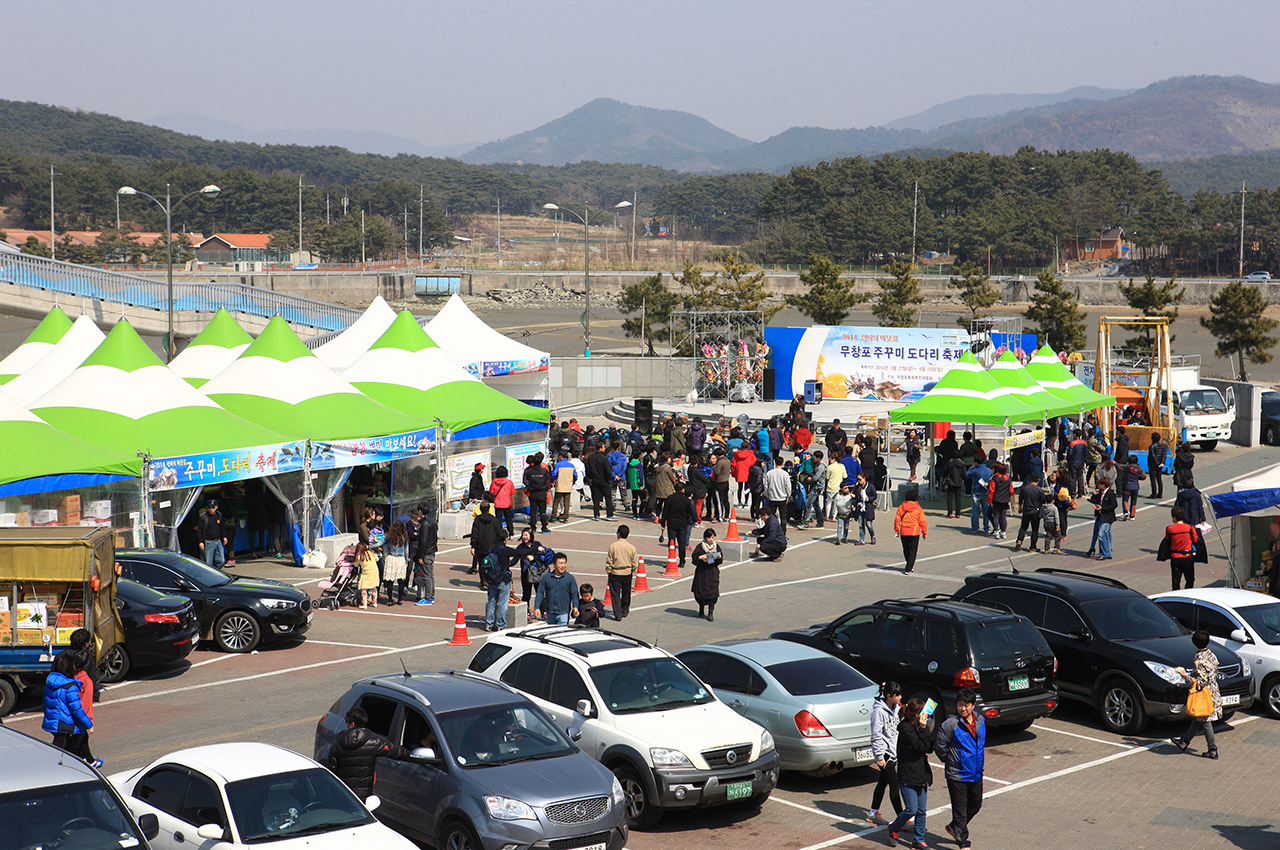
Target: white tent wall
[[489, 354], [345, 349]]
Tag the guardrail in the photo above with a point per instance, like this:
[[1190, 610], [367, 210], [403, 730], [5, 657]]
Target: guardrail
[[115, 288]]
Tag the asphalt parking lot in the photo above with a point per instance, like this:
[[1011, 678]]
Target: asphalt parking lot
[[1066, 783]]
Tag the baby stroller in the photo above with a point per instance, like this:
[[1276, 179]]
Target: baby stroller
[[341, 588]]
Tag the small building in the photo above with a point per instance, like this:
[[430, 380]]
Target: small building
[[238, 248], [1107, 245]]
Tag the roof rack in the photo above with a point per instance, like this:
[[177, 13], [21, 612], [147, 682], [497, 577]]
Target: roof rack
[[1086, 576], [546, 635], [468, 674], [988, 603], [395, 682], [921, 603]]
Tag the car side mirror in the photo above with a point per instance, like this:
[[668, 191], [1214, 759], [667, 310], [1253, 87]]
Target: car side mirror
[[838, 644], [210, 832], [183, 584], [1081, 634], [423, 754], [150, 826], [585, 708], [372, 802], [574, 733], [1240, 636]]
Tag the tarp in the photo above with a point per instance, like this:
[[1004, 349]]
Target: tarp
[[280, 384], [123, 398], [406, 370], [347, 347], [213, 349], [37, 450], [967, 394], [478, 348], [1011, 374], [1256, 496], [39, 342], [1049, 372], [69, 352]]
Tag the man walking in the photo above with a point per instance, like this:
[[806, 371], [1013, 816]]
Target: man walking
[[557, 598], [599, 476], [566, 475], [721, 475], [777, 488], [537, 481], [620, 563], [814, 506], [212, 534], [836, 439], [1077, 455], [960, 746], [424, 556], [1031, 500], [618, 469], [1156, 455]]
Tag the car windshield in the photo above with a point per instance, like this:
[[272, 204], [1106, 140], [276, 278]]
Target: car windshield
[[648, 684], [287, 805], [1265, 620], [1202, 399], [1130, 618], [501, 734], [85, 816], [810, 676], [1007, 639], [1271, 404], [199, 572]]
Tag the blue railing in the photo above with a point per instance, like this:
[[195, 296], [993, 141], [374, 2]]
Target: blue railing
[[116, 288]]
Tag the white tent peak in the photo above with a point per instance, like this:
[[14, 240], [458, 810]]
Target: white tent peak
[[346, 348], [61, 360], [478, 348]]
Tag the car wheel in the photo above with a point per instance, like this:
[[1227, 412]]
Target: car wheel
[[114, 665], [1269, 435], [458, 835], [640, 815], [1208, 445], [1271, 695], [237, 631], [8, 696], [1121, 708]]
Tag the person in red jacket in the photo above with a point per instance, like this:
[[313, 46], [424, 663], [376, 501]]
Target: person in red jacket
[[1182, 537], [741, 462], [1000, 495], [910, 524], [503, 490]]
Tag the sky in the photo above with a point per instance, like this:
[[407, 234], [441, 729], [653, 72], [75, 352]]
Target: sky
[[471, 72]]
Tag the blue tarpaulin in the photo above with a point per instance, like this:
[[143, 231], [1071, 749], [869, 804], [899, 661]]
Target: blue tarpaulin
[[1266, 500]]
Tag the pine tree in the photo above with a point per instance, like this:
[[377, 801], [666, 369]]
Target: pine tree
[[896, 304], [648, 305], [1236, 321], [1152, 300], [976, 291], [1054, 309], [742, 288], [829, 297]]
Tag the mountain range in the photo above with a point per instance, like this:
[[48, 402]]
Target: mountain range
[[1182, 118]]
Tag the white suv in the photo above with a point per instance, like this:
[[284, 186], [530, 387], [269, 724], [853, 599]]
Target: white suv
[[661, 731]]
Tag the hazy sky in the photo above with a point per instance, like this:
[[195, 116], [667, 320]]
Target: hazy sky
[[445, 73]]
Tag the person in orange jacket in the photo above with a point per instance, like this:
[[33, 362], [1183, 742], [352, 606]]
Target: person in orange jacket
[[910, 524]]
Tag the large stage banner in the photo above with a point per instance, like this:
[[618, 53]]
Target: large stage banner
[[863, 363]]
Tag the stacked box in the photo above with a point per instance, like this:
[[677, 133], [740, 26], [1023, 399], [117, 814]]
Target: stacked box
[[70, 511], [98, 510], [45, 518], [6, 626], [23, 518], [8, 520]]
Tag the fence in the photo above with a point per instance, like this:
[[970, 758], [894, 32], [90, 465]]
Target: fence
[[70, 279]]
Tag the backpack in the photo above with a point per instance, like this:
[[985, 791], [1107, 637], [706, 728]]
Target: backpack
[[376, 537], [540, 567], [491, 572]]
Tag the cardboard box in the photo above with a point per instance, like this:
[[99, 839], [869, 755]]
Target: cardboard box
[[6, 624], [44, 518], [64, 636], [71, 504], [30, 637], [97, 510], [70, 620], [8, 520], [23, 518], [32, 615]]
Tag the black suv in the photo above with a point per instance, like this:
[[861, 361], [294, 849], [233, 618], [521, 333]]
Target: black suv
[[1117, 649], [935, 646]]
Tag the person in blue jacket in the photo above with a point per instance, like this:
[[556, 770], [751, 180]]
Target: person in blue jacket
[[979, 476], [960, 746], [618, 466], [64, 714]]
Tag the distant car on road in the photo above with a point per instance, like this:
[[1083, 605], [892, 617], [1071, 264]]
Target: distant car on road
[[1257, 277], [1270, 418]]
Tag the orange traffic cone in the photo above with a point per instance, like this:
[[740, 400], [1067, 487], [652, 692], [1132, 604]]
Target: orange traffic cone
[[673, 570], [460, 629], [642, 580], [731, 536], [608, 597]]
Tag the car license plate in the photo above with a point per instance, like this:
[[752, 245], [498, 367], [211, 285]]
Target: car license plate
[[864, 754], [1019, 683], [601, 846], [739, 790], [1231, 699]]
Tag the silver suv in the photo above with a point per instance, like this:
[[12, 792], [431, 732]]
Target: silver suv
[[490, 769]]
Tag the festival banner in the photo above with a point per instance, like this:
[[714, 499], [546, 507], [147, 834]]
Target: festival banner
[[516, 456], [458, 470], [175, 473], [1018, 441], [338, 454]]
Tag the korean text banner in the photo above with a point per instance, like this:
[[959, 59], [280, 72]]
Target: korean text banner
[[338, 454], [863, 363], [458, 469], [516, 457], [174, 473]]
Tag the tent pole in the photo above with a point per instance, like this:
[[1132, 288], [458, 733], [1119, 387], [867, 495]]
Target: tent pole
[[306, 499], [148, 518], [933, 453]]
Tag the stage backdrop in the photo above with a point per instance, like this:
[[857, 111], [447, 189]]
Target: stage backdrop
[[862, 363]]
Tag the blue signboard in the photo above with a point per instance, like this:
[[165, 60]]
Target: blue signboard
[[174, 473], [337, 454]]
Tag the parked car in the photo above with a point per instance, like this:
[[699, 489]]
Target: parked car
[[234, 796], [48, 800], [1260, 277], [935, 646], [158, 630], [1270, 430], [665, 736], [817, 707], [1245, 622], [491, 771], [1116, 649], [235, 613]]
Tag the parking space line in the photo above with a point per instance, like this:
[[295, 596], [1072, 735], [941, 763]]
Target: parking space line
[[774, 798], [354, 645], [1084, 737], [386, 614]]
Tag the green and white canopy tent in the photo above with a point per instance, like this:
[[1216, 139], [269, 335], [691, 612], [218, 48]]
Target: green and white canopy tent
[[1008, 372], [967, 393], [347, 347], [405, 369], [1049, 372], [52, 328], [213, 349], [60, 361]]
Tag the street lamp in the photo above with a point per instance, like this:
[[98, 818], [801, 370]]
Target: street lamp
[[167, 205], [586, 263]]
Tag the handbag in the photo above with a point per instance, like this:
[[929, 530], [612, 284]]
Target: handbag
[[1165, 552], [1199, 701]]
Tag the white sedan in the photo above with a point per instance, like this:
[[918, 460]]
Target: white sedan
[[1245, 622], [228, 796]]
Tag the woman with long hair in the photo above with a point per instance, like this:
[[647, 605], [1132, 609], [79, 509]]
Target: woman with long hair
[[884, 746], [915, 742], [910, 525], [367, 564], [1204, 675], [396, 565], [1000, 495]]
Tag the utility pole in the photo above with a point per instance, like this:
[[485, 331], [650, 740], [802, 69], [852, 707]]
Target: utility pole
[[421, 197], [406, 234], [635, 200], [326, 209], [363, 259], [499, 232], [53, 228], [915, 209], [300, 188], [1242, 194]]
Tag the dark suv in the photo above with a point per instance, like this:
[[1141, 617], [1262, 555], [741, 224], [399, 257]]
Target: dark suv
[[1117, 649], [935, 646]]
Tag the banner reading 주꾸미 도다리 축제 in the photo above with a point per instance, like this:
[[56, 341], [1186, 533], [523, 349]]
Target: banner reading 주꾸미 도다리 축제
[[865, 363]]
